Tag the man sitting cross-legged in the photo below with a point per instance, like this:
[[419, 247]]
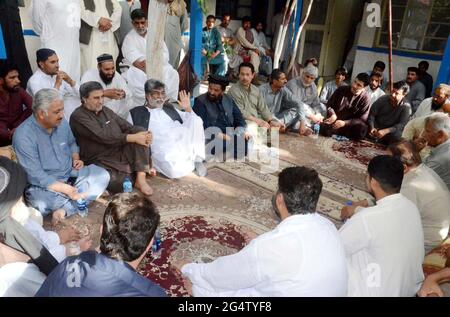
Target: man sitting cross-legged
[[252, 104], [110, 141], [47, 150], [178, 137], [219, 112], [282, 103], [348, 110]]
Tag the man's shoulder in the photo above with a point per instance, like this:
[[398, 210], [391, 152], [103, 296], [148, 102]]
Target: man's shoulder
[[24, 129]]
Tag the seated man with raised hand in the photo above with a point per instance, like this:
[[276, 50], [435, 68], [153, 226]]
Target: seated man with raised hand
[[47, 150], [117, 95], [15, 103], [348, 110], [283, 104], [219, 112], [427, 191], [305, 90], [109, 141], [178, 145], [129, 224], [252, 103], [384, 244], [389, 115], [285, 261]]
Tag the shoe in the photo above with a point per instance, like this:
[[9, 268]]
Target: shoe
[[201, 169]]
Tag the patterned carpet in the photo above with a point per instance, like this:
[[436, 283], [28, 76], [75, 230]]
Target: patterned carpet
[[204, 218]]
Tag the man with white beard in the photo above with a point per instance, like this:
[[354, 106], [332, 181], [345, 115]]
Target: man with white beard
[[117, 95], [178, 145], [134, 50], [58, 25]]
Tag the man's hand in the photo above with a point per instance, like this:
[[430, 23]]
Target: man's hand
[[374, 133], [116, 94], [277, 124], [383, 133], [247, 136], [185, 101], [338, 124], [77, 164], [204, 52], [330, 120], [256, 51], [304, 130], [68, 234], [60, 76], [142, 65], [430, 287], [104, 24], [263, 124], [224, 137], [347, 212], [420, 143], [143, 138]]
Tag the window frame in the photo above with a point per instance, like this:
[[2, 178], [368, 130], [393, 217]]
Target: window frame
[[422, 41]]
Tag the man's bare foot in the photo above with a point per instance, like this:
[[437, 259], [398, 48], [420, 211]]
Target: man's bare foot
[[152, 172], [57, 216], [144, 187]]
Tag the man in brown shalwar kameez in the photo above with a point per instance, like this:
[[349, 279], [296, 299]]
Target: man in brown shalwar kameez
[[348, 110], [110, 141]]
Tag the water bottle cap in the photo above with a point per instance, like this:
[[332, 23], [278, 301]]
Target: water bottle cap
[[349, 203]]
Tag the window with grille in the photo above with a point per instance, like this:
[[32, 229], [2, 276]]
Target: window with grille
[[417, 25]]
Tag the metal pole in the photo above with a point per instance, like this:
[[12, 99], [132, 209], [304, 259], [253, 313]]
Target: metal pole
[[195, 40], [391, 70]]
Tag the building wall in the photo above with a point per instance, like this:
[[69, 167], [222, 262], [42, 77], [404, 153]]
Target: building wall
[[367, 55], [339, 27]]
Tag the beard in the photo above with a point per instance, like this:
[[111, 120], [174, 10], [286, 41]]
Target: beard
[[141, 32], [106, 79], [212, 97], [11, 90], [305, 84], [435, 106], [156, 103]]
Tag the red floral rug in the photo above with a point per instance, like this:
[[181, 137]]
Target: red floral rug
[[360, 151]]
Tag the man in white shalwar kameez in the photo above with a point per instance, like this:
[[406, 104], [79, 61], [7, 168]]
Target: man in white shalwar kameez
[[178, 145], [134, 52], [287, 261], [58, 25], [49, 75], [117, 95], [100, 23]]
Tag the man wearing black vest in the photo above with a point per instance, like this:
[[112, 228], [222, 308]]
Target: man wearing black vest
[[226, 129], [99, 33], [178, 145]]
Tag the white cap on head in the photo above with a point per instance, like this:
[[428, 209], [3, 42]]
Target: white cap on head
[[312, 70]]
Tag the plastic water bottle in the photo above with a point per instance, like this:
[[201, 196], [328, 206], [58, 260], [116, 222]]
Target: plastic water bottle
[[82, 207], [156, 247], [339, 138], [127, 185], [316, 129]]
